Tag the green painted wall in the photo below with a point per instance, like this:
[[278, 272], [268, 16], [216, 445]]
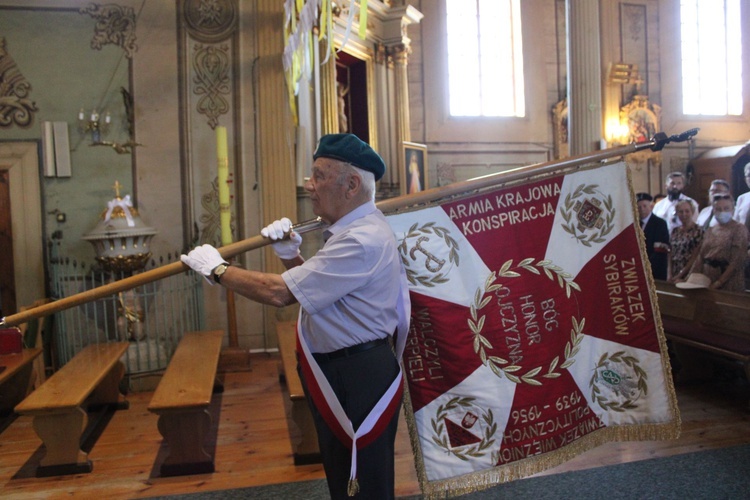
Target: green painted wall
[[52, 50]]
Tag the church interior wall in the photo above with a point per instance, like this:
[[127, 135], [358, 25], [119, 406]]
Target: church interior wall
[[50, 41]]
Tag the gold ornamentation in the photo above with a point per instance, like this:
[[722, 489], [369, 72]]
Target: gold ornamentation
[[433, 263], [124, 263], [441, 439], [121, 148], [563, 278], [115, 24], [481, 343], [590, 224], [15, 106], [609, 373], [211, 67], [119, 213]]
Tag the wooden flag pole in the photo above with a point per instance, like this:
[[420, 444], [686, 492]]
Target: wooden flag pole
[[386, 206]]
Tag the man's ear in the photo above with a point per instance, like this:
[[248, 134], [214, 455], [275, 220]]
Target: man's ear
[[355, 183]]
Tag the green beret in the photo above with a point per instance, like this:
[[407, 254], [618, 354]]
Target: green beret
[[351, 149]]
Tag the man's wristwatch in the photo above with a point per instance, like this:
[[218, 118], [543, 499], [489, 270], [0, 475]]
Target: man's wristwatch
[[219, 271]]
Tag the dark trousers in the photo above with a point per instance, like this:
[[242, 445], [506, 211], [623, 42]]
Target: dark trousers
[[359, 381]]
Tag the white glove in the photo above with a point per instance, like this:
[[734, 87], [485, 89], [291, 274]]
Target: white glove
[[204, 259], [286, 249]]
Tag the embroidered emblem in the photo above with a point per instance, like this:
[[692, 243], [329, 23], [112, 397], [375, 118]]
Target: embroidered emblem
[[594, 215], [589, 214], [618, 382], [510, 367], [428, 248], [463, 429]]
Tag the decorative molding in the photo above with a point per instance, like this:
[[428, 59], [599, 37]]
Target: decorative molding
[[15, 106], [635, 47], [210, 21], [400, 53], [633, 21], [380, 54], [211, 79], [115, 24], [22, 161]]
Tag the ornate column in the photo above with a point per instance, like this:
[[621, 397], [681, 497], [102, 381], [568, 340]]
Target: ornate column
[[397, 49], [278, 185], [584, 76], [400, 54], [329, 108]]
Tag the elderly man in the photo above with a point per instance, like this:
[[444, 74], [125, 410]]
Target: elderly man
[[656, 235], [706, 217], [353, 298], [665, 209]]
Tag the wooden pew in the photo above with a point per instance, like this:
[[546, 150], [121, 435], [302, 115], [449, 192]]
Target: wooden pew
[[91, 379], [16, 380], [302, 431], [33, 336], [709, 320], [181, 400]]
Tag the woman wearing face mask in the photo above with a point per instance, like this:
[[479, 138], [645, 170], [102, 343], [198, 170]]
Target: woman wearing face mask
[[684, 241], [722, 253]]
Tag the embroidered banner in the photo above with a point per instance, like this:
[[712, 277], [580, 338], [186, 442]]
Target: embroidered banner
[[535, 330]]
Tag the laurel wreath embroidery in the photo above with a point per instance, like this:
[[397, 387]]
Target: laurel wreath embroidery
[[570, 227], [441, 232], [481, 343], [438, 427], [632, 362]]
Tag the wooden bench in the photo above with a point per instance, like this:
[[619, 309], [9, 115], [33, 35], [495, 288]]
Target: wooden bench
[[34, 332], [16, 380], [59, 406], [302, 433], [181, 400], [709, 320]]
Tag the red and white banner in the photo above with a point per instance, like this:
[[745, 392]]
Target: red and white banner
[[535, 332]]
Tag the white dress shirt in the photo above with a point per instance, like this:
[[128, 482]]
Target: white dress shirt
[[666, 210]]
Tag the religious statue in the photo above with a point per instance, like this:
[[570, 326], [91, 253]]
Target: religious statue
[[342, 91]]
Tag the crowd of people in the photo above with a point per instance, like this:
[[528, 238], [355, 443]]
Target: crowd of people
[[695, 247]]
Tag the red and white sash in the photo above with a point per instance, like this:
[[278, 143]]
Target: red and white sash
[[328, 405]]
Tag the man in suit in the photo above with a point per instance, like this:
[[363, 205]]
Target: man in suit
[[657, 236]]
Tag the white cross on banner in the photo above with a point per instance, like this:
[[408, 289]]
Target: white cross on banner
[[535, 329]]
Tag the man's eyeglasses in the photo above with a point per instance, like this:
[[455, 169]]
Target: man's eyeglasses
[[722, 197]]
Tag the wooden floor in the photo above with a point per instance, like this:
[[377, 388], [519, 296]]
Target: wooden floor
[[252, 443]]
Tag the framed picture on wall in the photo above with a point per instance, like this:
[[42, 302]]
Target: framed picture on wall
[[414, 176]]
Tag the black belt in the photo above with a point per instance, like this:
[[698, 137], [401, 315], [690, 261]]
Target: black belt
[[721, 264], [322, 357]]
